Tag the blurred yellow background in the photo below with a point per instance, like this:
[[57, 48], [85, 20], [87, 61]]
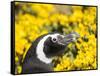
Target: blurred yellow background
[[35, 19]]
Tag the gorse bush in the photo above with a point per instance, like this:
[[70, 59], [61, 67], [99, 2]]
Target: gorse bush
[[34, 19]]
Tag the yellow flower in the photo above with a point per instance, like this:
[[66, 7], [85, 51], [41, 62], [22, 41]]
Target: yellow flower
[[77, 63], [20, 45], [58, 68], [19, 69], [16, 59]]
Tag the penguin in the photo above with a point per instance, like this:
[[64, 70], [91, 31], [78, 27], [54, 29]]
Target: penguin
[[42, 51]]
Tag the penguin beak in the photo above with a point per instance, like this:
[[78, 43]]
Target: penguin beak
[[72, 37]]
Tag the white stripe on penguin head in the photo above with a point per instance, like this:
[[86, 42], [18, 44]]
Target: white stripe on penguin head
[[39, 50]]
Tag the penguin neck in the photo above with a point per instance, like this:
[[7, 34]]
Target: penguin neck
[[40, 53]]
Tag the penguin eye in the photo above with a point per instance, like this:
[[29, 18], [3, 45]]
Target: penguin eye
[[54, 39]]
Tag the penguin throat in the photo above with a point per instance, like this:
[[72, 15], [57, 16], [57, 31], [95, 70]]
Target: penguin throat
[[40, 53]]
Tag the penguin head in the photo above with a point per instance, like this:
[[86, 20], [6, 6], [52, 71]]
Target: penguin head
[[54, 44]]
